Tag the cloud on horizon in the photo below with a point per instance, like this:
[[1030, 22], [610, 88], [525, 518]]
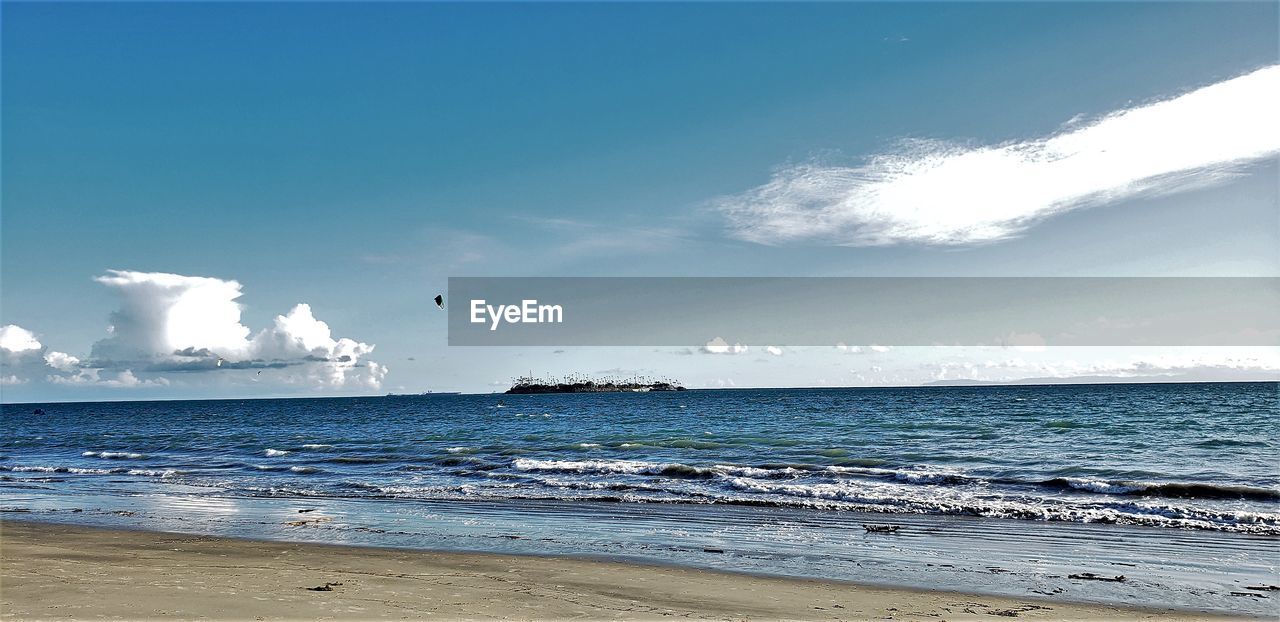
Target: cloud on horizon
[[24, 360], [171, 323], [1193, 365], [720, 346], [931, 192]]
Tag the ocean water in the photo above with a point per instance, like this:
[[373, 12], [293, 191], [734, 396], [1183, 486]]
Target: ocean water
[[1177, 481]]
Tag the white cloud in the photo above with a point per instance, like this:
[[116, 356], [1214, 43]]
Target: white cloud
[[25, 358], [123, 379], [14, 338], [164, 313], [171, 323], [62, 361], [940, 193], [720, 346]]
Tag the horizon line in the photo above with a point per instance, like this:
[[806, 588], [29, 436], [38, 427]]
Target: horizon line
[[941, 384]]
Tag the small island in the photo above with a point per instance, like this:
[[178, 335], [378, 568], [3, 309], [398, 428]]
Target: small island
[[582, 384]]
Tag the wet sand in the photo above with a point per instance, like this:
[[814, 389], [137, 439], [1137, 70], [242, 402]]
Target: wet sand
[[71, 572]]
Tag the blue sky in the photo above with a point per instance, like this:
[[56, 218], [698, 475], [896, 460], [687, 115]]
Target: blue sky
[[352, 157]]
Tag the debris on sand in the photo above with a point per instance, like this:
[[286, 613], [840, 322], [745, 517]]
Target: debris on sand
[[1089, 576], [1253, 594], [882, 528], [327, 587], [1263, 588], [306, 510], [1014, 612], [308, 521], [712, 550]]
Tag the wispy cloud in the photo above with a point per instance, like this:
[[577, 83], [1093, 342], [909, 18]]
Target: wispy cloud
[[577, 238], [940, 193]]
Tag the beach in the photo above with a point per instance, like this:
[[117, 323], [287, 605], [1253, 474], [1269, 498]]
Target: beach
[[1026, 495], [58, 571]]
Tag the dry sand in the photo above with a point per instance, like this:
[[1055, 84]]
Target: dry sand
[[63, 572]]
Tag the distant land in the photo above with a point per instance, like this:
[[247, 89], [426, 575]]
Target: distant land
[[581, 384]]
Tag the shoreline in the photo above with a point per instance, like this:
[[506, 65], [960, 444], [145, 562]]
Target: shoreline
[[54, 570]]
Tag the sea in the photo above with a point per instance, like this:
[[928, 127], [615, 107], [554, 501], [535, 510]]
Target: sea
[[994, 489]]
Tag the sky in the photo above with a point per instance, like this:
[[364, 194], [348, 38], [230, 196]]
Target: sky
[[249, 199]]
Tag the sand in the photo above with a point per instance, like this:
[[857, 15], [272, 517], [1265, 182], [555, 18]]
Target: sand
[[65, 572]]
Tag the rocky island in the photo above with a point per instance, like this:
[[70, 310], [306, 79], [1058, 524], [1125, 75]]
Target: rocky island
[[583, 384]]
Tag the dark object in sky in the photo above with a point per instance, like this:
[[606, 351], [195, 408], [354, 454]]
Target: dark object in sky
[[439, 301]]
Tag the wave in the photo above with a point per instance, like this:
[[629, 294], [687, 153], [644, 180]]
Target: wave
[[1174, 490], [914, 475], [896, 499], [883, 497], [917, 475], [629, 467], [114, 455], [89, 471], [153, 472], [275, 453], [924, 476]]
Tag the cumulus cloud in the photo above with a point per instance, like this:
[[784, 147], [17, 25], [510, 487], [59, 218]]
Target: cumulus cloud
[[24, 359], [164, 313], [16, 339], [940, 193], [171, 323], [720, 346], [62, 361]]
